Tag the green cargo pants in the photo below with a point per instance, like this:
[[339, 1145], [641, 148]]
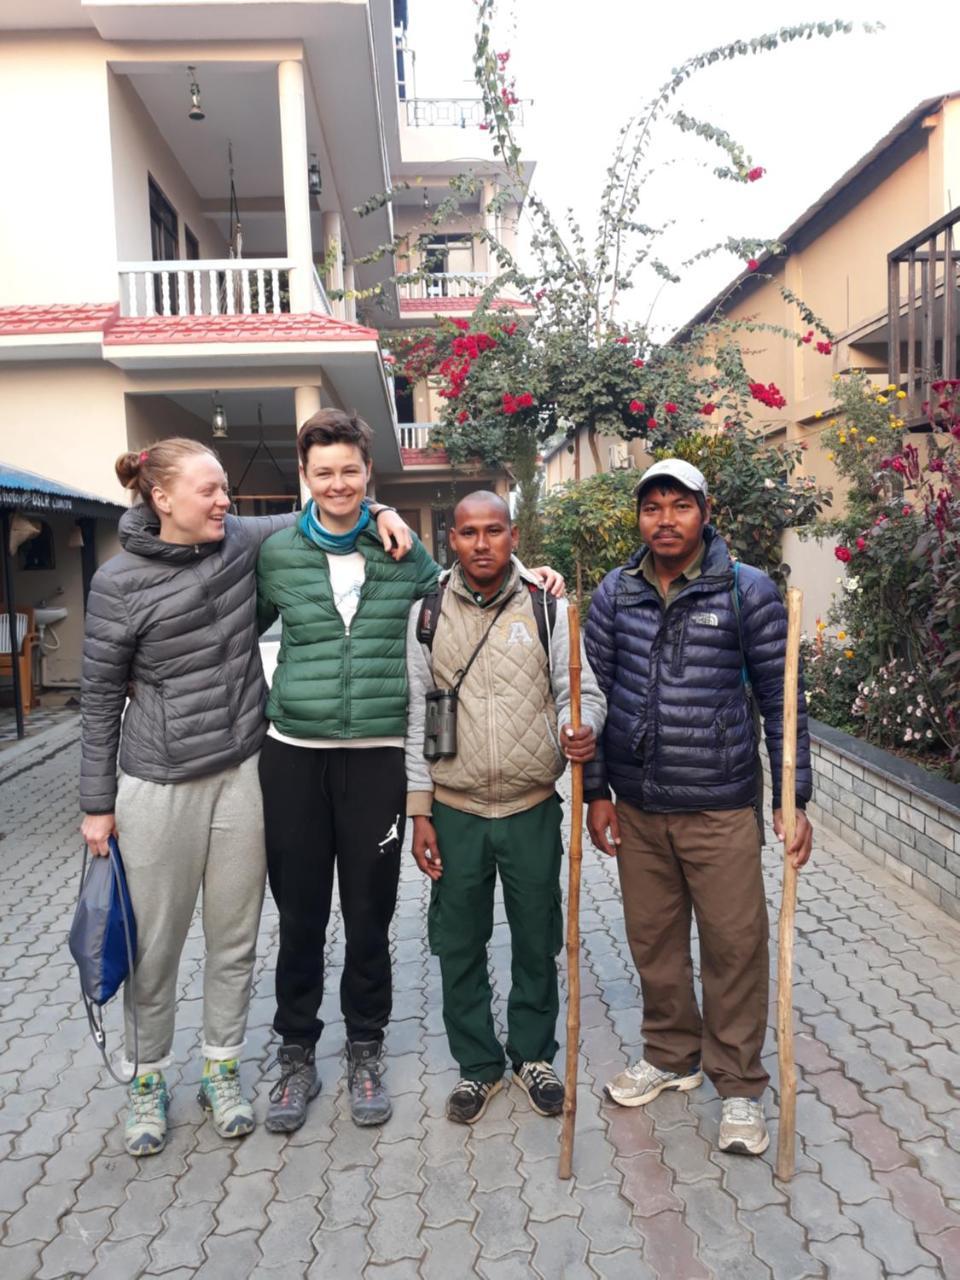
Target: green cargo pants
[[526, 849]]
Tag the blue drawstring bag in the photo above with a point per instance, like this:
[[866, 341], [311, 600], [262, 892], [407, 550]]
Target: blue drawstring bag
[[103, 942]]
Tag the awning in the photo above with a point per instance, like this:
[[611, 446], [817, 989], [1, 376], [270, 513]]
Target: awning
[[27, 491]]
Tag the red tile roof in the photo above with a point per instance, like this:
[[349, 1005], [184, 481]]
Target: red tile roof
[[129, 330], [57, 318], [424, 457], [314, 327], [434, 306]]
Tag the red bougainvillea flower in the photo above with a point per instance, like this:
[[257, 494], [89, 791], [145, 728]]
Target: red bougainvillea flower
[[843, 553], [807, 337], [624, 340], [670, 407], [463, 325], [935, 464], [938, 386], [509, 404], [770, 395], [509, 329], [389, 359], [651, 423], [753, 265], [638, 364], [524, 400], [504, 57], [707, 409], [861, 544], [541, 293], [637, 406], [824, 348], [462, 416], [483, 125], [508, 97], [907, 511], [756, 173]]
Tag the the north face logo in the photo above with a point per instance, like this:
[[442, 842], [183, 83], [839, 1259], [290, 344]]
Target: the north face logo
[[705, 619], [518, 634]]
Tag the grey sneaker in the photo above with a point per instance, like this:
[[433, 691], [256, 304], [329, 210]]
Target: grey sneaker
[[469, 1098], [369, 1100], [643, 1082], [145, 1131], [297, 1085], [742, 1127]]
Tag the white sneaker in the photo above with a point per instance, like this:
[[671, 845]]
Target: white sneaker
[[643, 1082], [743, 1129]]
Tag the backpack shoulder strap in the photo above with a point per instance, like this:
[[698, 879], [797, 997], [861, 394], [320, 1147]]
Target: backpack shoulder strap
[[429, 615], [545, 613]]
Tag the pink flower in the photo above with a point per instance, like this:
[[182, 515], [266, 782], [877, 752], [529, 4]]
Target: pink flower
[[843, 553], [483, 125], [524, 400], [509, 404], [807, 337], [638, 364], [861, 544], [541, 293], [462, 416], [651, 423], [637, 406], [624, 339], [756, 173], [752, 264], [824, 348], [707, 409], [463, 325], [670, 407]]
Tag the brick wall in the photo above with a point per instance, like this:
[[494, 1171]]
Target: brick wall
[[891, 811]]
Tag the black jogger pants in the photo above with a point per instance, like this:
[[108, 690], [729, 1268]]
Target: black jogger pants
[[332, 808]]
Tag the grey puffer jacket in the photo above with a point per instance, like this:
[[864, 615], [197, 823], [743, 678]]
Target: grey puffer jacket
[[179, 625]]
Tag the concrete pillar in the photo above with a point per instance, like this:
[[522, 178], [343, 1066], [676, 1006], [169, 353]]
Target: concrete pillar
[[349, 283], [306, 402], [296, 195], [333, 255]]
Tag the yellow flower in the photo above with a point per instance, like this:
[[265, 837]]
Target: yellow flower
[[848, 653], [892, 386], [830, 457], [842, 439], [900, 423], [818, 414], [901, 395], [871, 439], [881, 399], [836, 377], [854, 431], [821, 626], [841, 635]]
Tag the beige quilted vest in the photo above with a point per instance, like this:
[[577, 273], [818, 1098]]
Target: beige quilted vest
[[507, 753]]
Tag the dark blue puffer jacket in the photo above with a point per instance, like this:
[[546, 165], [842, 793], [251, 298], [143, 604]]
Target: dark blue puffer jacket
[[679, 732]]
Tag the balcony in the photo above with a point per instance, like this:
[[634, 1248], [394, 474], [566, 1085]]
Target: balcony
[[444, 284], [448, 113], [924, 313], [212, 287], [416, 435]]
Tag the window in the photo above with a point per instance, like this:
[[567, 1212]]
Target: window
[[447, 255], [403, 398], [37, 553], [164, 242]]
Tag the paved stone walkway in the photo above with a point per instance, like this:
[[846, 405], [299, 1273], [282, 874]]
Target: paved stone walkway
[[877, 1192]]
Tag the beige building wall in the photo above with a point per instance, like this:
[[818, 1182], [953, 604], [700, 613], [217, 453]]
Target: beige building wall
[[66, 421], [138, 151], [57, 239]]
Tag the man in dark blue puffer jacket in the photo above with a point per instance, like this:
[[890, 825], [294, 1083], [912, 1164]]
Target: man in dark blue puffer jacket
[[682, 646]]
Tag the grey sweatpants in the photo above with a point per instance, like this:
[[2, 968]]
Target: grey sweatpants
[[175, 839]]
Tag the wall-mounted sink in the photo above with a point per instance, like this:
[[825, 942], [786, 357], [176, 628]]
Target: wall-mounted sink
[[47, 617]]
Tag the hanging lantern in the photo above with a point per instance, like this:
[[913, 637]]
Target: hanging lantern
[[314, 180], [196, 112]]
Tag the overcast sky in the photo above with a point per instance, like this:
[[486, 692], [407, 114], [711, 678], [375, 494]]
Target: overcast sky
[[805, 113]]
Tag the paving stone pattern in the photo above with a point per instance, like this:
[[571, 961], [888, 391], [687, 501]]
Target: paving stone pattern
[[876, 1194]]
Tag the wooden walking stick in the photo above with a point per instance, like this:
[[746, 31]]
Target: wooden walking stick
[[786, 1145], [573, 912]]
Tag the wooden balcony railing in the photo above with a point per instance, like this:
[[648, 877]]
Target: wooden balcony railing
[[924, 313]]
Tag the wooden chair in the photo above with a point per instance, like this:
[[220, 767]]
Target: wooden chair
[[27, 639]]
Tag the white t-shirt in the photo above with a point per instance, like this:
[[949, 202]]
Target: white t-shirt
[[347, 574]]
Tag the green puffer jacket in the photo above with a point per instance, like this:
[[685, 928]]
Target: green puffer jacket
[[331, 682]]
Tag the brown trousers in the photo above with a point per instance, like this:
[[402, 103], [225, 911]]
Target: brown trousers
[[672, 865]]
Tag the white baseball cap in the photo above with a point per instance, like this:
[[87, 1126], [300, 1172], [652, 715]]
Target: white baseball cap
[[685, 472]]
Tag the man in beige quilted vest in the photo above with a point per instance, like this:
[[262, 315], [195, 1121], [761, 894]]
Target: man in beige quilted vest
[[487, 802]]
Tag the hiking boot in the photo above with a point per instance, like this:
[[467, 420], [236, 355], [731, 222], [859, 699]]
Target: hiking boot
[[743, 1129], [369, 1100], [145, 1131], [220, 1094], [643, 1082], [468, 1101], [542, 1086], [298, 1084]]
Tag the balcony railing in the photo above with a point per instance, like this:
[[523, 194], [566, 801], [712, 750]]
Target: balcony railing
[[924, 312], [445, 284], [450, 113], [416, 435], [208, 287]]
